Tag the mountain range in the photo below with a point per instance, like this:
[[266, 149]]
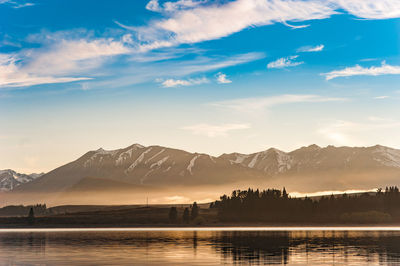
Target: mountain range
[[139, 170]]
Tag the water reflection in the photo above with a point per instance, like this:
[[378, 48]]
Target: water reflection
[[256, 247], [200, 247], [316, 247]]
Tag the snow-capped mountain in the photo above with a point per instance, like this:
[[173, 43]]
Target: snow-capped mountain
[[137, 167], [10, 179], [313, 158], [271, 161]]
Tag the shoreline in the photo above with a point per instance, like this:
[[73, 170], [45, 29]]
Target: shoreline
[[216, 227]]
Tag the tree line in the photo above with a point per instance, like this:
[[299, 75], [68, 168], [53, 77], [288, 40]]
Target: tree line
[[273, 205], [20, 210], [189, 214]]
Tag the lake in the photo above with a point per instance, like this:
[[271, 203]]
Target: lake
[[200, 246]]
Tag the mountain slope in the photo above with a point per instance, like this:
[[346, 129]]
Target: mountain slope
[[10, 179], [141, 169], [139, 165], [315, 158], [314, 168]]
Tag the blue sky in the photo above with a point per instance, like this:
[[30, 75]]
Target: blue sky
[[205, 76]]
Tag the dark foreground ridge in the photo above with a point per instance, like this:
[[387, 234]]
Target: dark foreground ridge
[[269, 207]]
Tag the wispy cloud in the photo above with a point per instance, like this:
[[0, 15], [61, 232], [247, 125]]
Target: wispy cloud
[[368, 59], [165, 54], [66, 59], [222, 79], [154, 5], [160, 71], [65, 55], [317, 48], [190, 21], [381, 97], [370, 9], [295, 26], [358, 70], [23, 5], [214, 130], [207, 21], [12, 76], [16, 4], [58, 61], [256, 104], [285, 62], [180, 82], [215, 63]]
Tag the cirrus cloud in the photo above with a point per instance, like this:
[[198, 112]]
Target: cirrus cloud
[[190, 21], [358, 70], [180, 82], [285, 62], [155, 6], [381, 97], [16, 4], [58, 61], [317, 48]]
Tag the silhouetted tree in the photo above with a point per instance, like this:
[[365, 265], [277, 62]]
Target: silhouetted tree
[[284, 193], [31, 216], [195, 211], [173, 215], [273, 205], [185, 216]]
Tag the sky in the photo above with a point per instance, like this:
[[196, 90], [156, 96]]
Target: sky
[[200, 75]]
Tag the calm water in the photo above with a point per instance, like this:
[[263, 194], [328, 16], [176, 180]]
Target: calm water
[[294, 246]]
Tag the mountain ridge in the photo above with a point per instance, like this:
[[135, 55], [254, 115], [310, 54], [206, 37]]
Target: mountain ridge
[[9, 179], [156, 168]]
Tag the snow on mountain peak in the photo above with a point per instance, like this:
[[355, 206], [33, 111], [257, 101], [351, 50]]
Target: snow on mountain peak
[[137, 161], [387, 156], [126, 155], [151, 164], [99, 153], [10, 179], [154, 156], [254, 160]]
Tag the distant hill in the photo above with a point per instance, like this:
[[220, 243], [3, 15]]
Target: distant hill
[[141, 169]]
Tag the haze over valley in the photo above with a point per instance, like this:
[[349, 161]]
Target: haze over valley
[[166, 175]]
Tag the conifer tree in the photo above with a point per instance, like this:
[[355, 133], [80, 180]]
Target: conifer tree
[[31, 216], [173, 215], [185, 216], [195, 211]]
